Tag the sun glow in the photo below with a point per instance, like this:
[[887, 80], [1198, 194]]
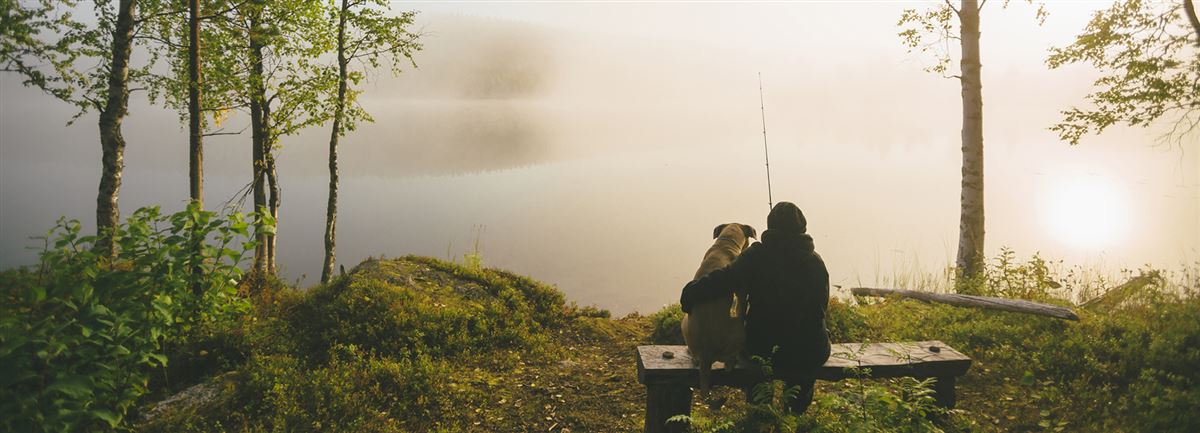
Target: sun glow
[[1085, 212]]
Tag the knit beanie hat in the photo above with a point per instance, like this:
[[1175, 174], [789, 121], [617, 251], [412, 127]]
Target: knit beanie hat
[[786, 217]]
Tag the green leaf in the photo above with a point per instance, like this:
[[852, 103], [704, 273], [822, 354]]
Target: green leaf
[[162, 359], [1028, 379], [107, 416], [74, 386], [13, 379]]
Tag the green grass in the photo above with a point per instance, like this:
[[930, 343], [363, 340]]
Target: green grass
[[422, 345], [414, 345], [1128, 365]]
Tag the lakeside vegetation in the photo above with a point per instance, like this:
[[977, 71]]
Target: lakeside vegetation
[[154, 324], [419, 344]]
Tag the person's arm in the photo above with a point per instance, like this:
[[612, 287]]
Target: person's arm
[[824, 286], [720, 282]]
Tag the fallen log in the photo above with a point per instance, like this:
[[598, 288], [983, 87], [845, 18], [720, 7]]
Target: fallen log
[[1013, 305], [1112, 299]]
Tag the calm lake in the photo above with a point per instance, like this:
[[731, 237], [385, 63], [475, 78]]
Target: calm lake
[[604, 174]]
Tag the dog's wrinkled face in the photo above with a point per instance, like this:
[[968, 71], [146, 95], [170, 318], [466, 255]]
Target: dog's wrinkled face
[[738, 232]]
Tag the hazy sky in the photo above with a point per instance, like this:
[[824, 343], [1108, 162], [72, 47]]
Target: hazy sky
[[600, 142]]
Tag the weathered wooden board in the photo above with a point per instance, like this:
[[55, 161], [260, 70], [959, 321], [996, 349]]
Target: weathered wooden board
[[1013, 305], [915, 359]]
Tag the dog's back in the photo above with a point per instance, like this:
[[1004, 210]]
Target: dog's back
[[710, 332]]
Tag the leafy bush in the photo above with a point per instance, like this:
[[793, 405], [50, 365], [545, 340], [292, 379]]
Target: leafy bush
[[471, 312], [589, 311], [846, 324], [667, 322], [80, 334], [385, 348], [1006, 277], [903, 405], [1124, 366], [1128, 364], [353, 392]]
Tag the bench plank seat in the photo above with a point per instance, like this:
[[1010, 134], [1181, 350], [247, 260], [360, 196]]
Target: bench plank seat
[[669, 372]]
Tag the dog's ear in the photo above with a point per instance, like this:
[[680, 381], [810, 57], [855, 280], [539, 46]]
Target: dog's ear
[[717, 231], [749, 231]]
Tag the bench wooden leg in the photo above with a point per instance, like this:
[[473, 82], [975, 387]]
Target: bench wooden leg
[[664, 402], [943, 391]]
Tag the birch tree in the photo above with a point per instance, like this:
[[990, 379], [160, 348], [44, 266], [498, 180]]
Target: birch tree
[[195, 131], [367, 37], [278, 43], [87, 65], [930, 31]]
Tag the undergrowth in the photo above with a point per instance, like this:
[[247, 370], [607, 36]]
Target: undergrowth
[[82, 334], [1128, 364], [396, 345], [422, 345]]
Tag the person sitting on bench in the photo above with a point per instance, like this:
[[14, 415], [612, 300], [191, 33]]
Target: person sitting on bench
[[788, 289]]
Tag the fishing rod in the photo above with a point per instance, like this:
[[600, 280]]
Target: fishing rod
[[766, 155]]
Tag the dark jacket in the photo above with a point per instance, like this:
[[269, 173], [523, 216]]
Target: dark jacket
[[788, 288]]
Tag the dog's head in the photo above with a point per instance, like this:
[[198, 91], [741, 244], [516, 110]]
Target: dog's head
[[738, 232]]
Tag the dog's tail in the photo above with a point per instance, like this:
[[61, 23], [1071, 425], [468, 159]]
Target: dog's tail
[[705, 377]]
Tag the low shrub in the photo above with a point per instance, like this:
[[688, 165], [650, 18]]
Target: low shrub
[[354, 392], [471, 312], [81, 333], [903, 405], [846, 324], [667, 322], [1130, 367], [385, 348]]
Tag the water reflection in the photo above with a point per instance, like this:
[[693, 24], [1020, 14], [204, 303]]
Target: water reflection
[[602, 164]]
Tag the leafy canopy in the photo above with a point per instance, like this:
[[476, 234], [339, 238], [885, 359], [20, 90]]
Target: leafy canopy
[[373, 38], [1151, 64], [933, 31], [68, 57]]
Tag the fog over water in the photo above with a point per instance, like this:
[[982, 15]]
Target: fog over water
[[598, 144]]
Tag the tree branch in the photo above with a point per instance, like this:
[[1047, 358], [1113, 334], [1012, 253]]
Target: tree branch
[[160, 40], [222, 132], [358, 55], [227, 10], [1189, 10], [224, 108], [951, 6], [166, 12]]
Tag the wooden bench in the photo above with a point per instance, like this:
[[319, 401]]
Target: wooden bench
[[669, 373]]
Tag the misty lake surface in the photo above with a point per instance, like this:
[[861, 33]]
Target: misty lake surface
[[622, 231], [605, 177]]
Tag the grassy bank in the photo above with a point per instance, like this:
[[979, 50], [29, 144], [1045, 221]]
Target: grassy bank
[[1128, 365], [415, 345], [421, 345]]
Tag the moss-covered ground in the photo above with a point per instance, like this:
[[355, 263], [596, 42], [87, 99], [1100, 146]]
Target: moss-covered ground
[[420, 345]]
